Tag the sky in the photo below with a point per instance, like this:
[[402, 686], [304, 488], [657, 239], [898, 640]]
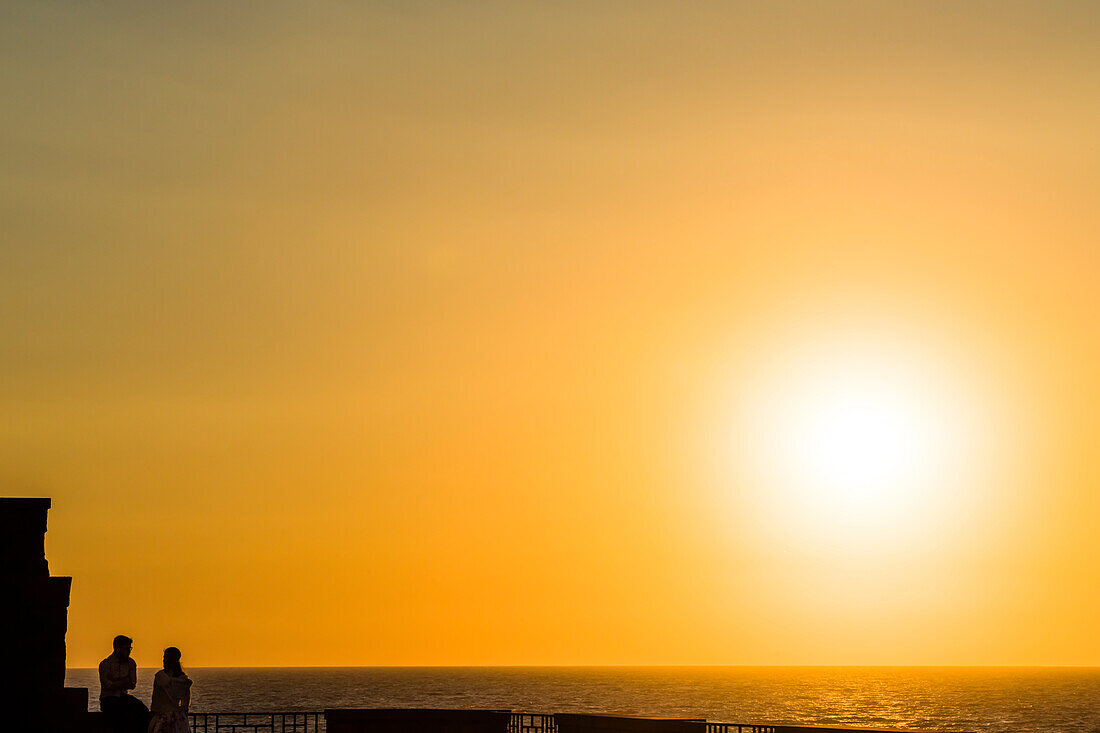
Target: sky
[[516, 333]]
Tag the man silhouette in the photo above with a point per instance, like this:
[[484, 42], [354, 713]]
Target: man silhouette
[[117, 676]]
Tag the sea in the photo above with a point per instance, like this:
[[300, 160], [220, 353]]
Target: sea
[[993, 699]]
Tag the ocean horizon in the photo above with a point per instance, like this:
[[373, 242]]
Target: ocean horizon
[[1043, 699]]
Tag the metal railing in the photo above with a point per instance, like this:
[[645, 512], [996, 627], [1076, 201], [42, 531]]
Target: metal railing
[[314, 722], [739, 728], [311, 722], [532, 723]]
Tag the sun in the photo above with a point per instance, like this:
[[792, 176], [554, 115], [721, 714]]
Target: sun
[[852, 442], [858, 440]]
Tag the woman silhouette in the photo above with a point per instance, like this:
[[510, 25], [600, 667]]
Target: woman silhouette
[[171, 696]]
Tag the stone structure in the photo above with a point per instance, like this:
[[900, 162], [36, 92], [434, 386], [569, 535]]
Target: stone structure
[[33, 620]]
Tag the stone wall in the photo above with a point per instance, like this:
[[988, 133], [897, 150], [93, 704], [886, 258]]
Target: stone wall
[[33, 621]]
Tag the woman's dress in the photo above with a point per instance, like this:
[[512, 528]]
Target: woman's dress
[[171, 700]]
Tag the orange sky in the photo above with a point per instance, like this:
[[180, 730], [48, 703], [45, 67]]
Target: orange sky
[[382, 333]]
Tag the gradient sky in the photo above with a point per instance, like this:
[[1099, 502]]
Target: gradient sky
[[425, 333]]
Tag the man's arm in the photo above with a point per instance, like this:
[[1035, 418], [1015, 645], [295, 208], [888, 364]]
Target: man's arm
[[131, 675]]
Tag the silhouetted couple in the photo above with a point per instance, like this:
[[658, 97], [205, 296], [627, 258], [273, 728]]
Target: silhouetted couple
[[171, 693]]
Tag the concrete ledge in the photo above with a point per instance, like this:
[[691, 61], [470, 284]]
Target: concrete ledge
[[834, 729], [586, 723], [416, 720], [97, 723]]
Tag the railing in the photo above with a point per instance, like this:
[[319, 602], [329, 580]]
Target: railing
[[739, 728], [311, 722], [533, 723], [314, 722]]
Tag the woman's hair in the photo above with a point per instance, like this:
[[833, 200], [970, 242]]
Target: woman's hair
[[172, 660]]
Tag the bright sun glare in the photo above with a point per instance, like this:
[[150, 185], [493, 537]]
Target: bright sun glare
[[860, 442], [857, 438]]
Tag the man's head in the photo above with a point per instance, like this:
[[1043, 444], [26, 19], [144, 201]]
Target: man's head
[[123, 645]]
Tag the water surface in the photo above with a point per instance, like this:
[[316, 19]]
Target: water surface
[[993, 699]]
